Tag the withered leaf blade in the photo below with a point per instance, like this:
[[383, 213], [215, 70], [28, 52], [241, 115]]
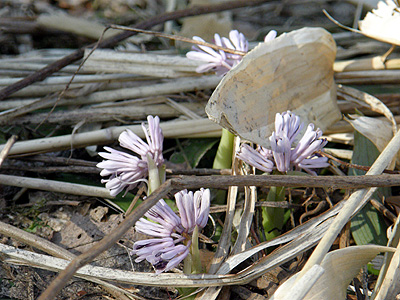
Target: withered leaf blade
[[293, 72]]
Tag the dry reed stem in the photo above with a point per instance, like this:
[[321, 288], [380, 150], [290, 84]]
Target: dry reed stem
[[90, 115], [175, 129], [7, 147]]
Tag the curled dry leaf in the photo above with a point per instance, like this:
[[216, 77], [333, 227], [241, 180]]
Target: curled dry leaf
[[382, 23], [376, 130], [293, 72], [340, 267]]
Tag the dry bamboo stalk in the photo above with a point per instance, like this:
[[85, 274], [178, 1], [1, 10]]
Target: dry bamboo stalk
[[44, 90], [174, 280], [4, 152], [32, 58], [366, 64], [89, 115], [33, 67], [77, 79], [369, 77], [173, 86], [184, 109], [55, 186], [173, 129], [148, 64], [169, 87]]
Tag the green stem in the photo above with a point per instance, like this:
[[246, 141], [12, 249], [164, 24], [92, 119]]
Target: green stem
[[223, 158], [194, 249], [154, 175]]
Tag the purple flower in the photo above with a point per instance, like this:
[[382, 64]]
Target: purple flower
[[126, 170], [260, 158], [172, 233], [287, 125], [270, 36], [217, 60], [281, 150], [304, 155], [283, 156]]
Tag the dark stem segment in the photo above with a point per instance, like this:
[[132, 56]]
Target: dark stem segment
[[78, 54]]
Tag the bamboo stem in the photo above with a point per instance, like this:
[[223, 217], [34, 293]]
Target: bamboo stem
[[174, 129]]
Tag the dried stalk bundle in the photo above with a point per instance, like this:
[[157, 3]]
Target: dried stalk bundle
[[89, 115], [369, 77], [366, 64], [175, 129], [147, 64]]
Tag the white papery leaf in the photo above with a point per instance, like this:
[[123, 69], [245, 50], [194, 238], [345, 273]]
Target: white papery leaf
[[292, 72], [377, 131], [340, 267], [383, 23]]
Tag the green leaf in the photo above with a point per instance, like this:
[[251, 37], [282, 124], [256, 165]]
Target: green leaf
[[274, 217], [192, 151], [368, 226], [223, 157]]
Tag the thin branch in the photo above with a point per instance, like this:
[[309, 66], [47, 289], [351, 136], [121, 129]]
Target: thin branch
[[219, 182], [78, 54]]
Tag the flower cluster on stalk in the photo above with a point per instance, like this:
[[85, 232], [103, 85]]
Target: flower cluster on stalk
[[172, 234], [284, 155], [220, 61], [126, 170]]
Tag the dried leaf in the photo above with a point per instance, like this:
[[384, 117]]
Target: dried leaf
[[340, 267], [383, 23], [379, 132], [293, 72]]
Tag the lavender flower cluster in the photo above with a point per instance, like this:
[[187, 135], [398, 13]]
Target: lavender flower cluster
[[283, 156], [219, 61], [126, 170], [172, 234]]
